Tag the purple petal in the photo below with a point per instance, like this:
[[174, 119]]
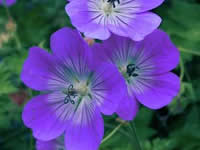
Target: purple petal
[[157, 91], [43, 118], [128, 108], [108, 49], [46, 145], [85, 136], [145, 5], [157, 54], [95, 31], [36, 69], [88, 17], [71, 49], [76, 9], [55, 144], [8, 2], [82, 20], [140, 26], [152, 57], [109, 82], [67, 41]]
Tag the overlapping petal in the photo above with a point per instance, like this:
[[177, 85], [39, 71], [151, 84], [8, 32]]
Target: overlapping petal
[[49, 117], [125, 20], [87, 135], [108, 88], [46, 145], [78, 11], [157, 91], [154, 57], [157, 54], [128, 108], [68, 42], [137, 28]]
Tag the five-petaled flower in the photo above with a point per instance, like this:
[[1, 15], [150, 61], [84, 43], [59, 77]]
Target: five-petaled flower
[[128, 18], [75, 92], [145, 66], [7, 2]]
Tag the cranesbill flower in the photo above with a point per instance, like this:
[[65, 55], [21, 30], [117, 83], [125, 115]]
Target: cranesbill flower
[[55, 144], [7, 2], [145, 66], [75, 92], [128, 18]]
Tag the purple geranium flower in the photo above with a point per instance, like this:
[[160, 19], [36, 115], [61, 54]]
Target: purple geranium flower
[[128, 18], [55, 144], [76, 92], [7, 2], [145, 66]]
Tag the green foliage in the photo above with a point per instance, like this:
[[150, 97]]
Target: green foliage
[[176, 127], [181, 21], [6, 85]]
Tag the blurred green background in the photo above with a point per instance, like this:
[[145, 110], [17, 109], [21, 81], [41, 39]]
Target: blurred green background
[[176, 127]]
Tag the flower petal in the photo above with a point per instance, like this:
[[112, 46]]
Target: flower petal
[[72, 51], [86, 136], [41, 115], [84, 22], [127, 20], [8, 2], [156, 91], [37, 69], [145, 5], [115, 49], [55, 144], [136, 28], [67, 41], [46, 145], [128, 108], [108, 88], [95, 31], [104, 52], [157, 54]]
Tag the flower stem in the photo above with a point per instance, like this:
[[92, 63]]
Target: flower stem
[[31, 142], [135, 137], [18, 43], [30, 92], [112, 133]]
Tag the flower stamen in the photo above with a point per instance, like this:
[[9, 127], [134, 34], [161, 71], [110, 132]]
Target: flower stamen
[[113, 2], [70, 93], [130, 70]]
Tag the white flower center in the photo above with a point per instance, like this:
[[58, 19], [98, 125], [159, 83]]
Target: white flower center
[[82, 88], [107, 8]]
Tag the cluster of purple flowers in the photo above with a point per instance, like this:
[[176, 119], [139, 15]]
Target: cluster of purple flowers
[[79, 83]]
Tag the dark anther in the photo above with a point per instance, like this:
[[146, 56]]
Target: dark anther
[[113, 2], [71, 93], [131, 70], [134, 74]]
